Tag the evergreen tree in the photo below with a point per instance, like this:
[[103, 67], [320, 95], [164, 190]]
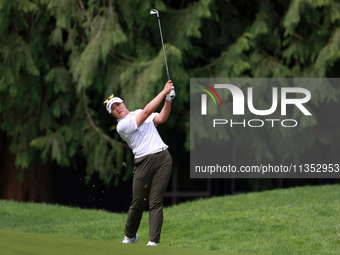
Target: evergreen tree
[[59, 60]]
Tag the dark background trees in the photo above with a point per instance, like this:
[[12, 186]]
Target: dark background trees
[[60, 59]]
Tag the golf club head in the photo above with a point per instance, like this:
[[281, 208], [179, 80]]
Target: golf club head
[[154, 11]]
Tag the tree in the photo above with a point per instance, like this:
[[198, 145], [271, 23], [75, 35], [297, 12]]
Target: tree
[[60, 59]]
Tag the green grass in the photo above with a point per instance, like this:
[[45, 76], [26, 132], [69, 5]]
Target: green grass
[[14, 243], [290, 221]]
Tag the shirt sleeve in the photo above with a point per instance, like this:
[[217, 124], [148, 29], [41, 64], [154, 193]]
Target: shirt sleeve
[[152, 116], [127, 126]]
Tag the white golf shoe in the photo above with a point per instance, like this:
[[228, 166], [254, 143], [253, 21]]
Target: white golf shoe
[[131, 240], [151, 244]]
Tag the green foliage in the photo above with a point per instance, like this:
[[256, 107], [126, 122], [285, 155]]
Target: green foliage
[[60, 59]]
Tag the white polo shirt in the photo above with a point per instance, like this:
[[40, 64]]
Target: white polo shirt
[[144, 140]]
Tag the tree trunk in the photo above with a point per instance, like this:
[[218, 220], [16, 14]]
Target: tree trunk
[[36, 184]]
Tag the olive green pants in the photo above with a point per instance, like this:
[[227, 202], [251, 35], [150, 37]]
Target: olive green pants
[[151, 177]]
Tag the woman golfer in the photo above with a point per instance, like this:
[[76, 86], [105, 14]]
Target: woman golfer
[[152, 161]]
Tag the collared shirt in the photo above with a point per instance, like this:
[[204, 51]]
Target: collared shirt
[[144, 140]]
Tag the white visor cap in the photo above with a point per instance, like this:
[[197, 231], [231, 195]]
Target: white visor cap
[[111, 102]]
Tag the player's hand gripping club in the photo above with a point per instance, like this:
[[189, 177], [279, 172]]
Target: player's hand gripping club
[[169, 89]]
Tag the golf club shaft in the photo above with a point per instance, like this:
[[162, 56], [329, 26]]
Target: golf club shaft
[[154, 11], [166, 63]]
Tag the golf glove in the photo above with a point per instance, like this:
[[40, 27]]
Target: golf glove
[[170, 95]]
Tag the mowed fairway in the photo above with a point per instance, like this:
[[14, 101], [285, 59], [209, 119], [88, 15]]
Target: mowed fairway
[[290, 221], [13, 243]]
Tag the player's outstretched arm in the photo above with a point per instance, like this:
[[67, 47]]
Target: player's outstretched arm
[[154, 103]]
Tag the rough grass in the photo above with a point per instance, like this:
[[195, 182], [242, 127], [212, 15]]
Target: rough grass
[[290, 221]]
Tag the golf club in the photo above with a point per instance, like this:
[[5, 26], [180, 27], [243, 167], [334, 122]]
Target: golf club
[[154, 11]]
